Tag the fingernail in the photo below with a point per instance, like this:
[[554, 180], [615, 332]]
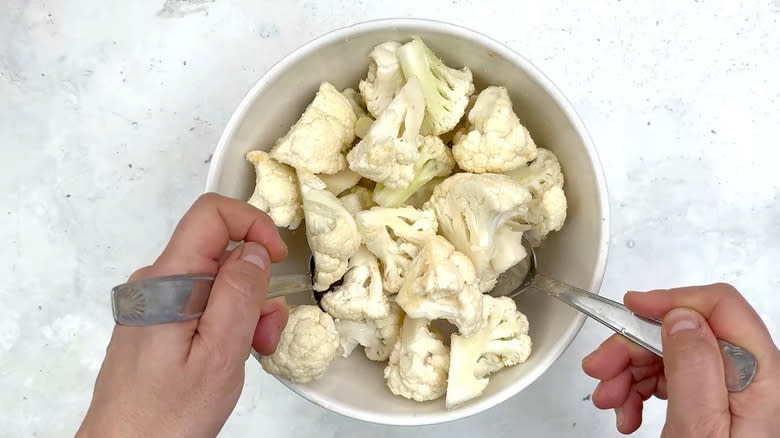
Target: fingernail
[[255, 254], [619, 417], [586, 358], [679, 320]]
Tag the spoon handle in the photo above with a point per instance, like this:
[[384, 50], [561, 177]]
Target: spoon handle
[[160, 300], [739, 364]]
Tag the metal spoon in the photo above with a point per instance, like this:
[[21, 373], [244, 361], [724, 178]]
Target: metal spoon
[[739, 365], [162, 300]]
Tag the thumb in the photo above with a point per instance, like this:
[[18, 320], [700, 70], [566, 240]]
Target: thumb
[[695, 382], [236, 300]]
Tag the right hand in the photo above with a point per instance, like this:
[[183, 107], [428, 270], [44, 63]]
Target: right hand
[[690, 375]]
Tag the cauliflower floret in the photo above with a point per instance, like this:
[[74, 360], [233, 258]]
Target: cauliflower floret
[[357, 199], [388, 152], [496, 141], [418, 364], [276, 190], [330, 230], [360, 295], [340, 181], [435, 161], [378, 336], [544, 179], [552, 209], [306, 348], [356, 100], [484, 216], [503, 341], [423, 194], [384, 79], [364, 120], [316, 141], [441, 284], [446, 89], [540, 174], [396, 236]]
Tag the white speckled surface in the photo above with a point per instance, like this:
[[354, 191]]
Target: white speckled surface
[[110, 111]]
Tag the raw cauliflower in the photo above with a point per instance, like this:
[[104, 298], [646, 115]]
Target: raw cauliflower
[[396, 236], [384, 79], [495, 141], [441, 284], [544, 179], [276, 190], [364, 120], [446, 89], [316, 142], [484, 216], [377, 336], [360, 295], [357, 199], [388, 152], [423, 194], [435, 160], [418, 364], [340, 181], [331, 230], [306, 348], [502, 341]]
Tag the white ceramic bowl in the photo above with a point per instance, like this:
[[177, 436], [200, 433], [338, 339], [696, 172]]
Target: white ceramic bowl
[[577, 254]]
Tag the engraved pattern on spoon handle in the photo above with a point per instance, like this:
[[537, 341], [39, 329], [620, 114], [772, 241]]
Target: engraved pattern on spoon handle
[[739, 365], [161, 300]]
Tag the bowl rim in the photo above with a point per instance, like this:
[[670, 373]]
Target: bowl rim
[[416, 24]]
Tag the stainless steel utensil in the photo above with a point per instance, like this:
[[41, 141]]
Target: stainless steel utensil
[[739, 365]]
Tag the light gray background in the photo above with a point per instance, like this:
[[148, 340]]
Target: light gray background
[[110, 110]]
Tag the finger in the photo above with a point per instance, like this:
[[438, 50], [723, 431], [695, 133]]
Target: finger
[[727, 312], [608, 360], [660, 388], [612, 393], [629, 416], [694, 373], [204, 232], [234, 306], [273, 319], [614, 355]]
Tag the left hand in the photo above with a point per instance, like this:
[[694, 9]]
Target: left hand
[[184, 379]]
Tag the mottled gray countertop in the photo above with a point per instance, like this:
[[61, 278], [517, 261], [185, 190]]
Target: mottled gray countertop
[[110, 112]]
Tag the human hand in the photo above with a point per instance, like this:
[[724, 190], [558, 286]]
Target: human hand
[[691, 372], [184, 379]]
